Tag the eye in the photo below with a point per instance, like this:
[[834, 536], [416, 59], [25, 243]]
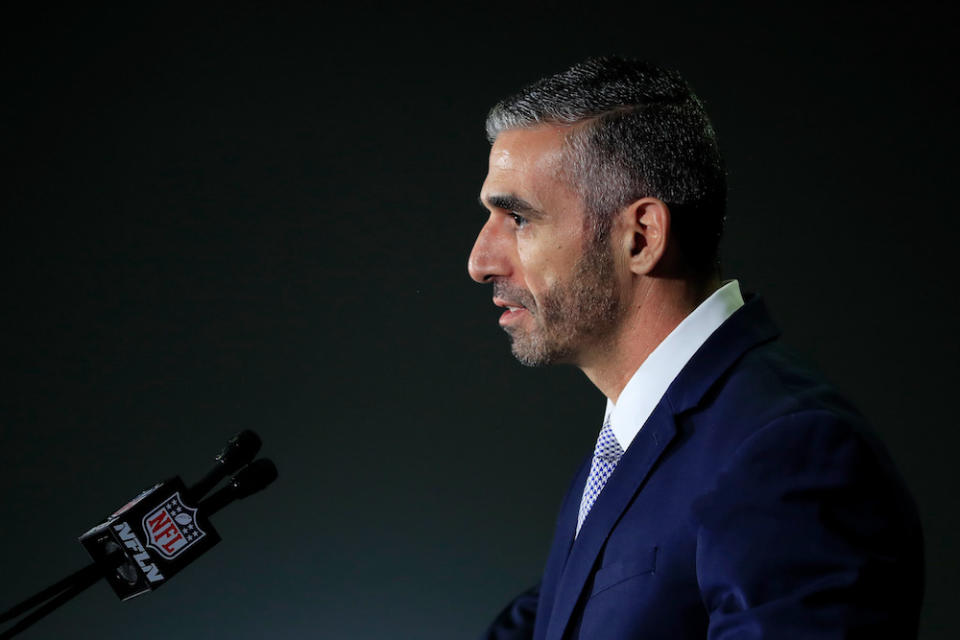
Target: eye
[[518, 219]]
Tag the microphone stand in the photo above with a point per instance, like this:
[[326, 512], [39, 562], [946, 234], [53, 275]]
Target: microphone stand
[[55, 596], [252, 477]]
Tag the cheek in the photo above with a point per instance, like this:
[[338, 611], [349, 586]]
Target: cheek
[[541, 268], [552, 265], [547, 252]]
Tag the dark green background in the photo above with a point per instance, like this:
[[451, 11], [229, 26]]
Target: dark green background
[[239, 216]]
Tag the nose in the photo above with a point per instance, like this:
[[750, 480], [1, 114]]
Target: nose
[[489, 259]]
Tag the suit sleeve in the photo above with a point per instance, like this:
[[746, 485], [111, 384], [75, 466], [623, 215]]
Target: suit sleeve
[[516, 621], [809, 533]]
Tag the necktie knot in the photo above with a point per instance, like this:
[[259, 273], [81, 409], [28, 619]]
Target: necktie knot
[[608, 448]]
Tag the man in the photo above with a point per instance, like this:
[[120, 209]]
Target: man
[[732, 494]]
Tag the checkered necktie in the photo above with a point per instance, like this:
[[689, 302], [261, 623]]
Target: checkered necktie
[[605, 457]]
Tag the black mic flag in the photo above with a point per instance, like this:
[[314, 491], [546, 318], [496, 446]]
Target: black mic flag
[[151, 538], [143, 544], [159, 532]]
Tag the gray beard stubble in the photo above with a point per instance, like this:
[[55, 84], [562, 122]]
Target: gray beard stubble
[[581, 310]]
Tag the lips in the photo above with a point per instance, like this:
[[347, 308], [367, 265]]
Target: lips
[[508, 304], [516, 302], [513, 311]]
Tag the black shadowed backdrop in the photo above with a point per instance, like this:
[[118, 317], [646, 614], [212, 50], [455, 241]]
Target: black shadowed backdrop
[[244, 217]]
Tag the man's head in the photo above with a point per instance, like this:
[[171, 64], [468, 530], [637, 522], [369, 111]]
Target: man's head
[[635, 130], [572, 155]]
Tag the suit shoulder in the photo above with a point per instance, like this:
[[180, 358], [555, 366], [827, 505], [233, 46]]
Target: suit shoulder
[[769, 383], [771, 404], [772, 417]]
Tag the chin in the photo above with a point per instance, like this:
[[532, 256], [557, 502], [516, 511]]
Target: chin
[[534, 353]]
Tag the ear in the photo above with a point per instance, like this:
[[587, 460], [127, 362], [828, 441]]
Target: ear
[[647, 226]]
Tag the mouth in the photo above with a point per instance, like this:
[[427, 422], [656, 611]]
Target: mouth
[[513, 311]]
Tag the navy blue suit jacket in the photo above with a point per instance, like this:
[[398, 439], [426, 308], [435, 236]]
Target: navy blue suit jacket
[[753, 503]]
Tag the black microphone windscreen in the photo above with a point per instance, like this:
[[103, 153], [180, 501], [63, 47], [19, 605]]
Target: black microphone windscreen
[[240, 450], [255, 476]]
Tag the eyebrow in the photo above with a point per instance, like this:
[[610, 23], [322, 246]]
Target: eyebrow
[[510, 202]]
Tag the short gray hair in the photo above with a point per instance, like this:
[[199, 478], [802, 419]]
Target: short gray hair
[[636, 130]]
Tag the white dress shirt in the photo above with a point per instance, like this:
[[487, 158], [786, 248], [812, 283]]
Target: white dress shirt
[[647, 386]]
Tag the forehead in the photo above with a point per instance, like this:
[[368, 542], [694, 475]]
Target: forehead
[[527, 163]]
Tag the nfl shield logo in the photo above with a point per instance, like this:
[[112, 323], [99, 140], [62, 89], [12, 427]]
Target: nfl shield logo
[[171, 527]]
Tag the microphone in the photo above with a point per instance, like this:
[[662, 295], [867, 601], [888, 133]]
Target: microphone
[[239, 452], [140, 546], [158, 533], [253, 478]]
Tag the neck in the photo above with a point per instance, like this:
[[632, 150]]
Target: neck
[[655, 308]]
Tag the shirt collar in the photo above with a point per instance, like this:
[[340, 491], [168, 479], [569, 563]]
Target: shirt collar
[[648, 384]]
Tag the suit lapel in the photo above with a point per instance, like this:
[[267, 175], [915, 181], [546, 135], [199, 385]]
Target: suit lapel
[[560, 550], [746, 328], [636, 464]]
